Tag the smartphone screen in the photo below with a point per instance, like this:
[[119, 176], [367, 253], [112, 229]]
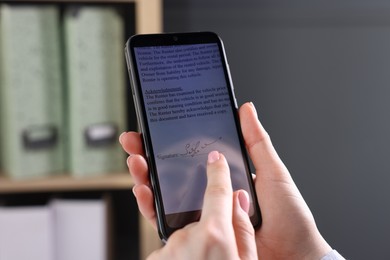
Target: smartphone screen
[[186, 109]]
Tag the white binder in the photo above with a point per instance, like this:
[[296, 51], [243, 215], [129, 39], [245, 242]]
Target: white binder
[[80, 229], [26, 233]]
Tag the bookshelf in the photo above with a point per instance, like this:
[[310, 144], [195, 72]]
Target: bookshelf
[[148, 238], [148, 19]]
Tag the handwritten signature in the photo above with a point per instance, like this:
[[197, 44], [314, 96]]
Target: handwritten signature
[[191, 149]]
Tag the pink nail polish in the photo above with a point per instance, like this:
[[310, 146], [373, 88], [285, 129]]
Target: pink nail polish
[[213, 157], [243, 199], [120, 137], [253, 108], [128, 161]]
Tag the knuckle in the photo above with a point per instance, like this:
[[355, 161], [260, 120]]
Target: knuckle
[[215, 244], [218, 191], [261, 138], [180, 236], [244, 226], [214, 232]]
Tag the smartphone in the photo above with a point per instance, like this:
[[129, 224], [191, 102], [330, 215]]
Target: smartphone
[[186, 108]]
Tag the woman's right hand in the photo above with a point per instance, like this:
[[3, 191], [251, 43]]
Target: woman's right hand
[[288, 230]]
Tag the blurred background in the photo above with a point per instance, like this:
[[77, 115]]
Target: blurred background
[[317, 71]]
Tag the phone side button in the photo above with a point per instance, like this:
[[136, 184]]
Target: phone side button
[[131, 82], [234, 98], [235, 103]]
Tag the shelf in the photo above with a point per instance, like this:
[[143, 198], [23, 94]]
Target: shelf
[[66, 183], [148, 19]]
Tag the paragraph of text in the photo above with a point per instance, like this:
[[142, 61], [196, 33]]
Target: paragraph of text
[[176, 103], [167, 63]]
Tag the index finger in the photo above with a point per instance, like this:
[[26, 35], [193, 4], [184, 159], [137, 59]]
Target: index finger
[[258, 142], [218, 197]]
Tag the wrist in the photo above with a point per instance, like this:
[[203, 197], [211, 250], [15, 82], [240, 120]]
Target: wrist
[[319, 248], [333, 255]]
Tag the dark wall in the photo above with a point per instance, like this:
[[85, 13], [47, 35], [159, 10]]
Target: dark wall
[[319, 74]]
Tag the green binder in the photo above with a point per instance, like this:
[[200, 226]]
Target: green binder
[[30, 91], [96, 89]]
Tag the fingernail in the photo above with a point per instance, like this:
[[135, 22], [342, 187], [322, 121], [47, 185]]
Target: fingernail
[[121, 136], [134, 190], [243, 199], [128, 161], [213, 157], [253, 107]]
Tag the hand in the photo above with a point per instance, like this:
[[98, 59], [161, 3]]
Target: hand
[[288, 230], [224, 230]]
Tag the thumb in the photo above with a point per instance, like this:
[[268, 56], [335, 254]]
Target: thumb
[[243, 229]]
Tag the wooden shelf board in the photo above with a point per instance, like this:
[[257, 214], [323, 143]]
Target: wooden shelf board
[[66, 183]]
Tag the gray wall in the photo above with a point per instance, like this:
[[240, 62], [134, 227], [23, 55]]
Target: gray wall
[[319, 74]]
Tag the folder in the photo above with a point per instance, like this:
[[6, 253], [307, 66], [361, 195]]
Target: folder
[[25, 233], [31, 110], [80, 229], [96, 89]]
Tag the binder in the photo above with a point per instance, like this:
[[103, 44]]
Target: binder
[[31, 110], [26, 233], [80, 229], [96, 89]]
